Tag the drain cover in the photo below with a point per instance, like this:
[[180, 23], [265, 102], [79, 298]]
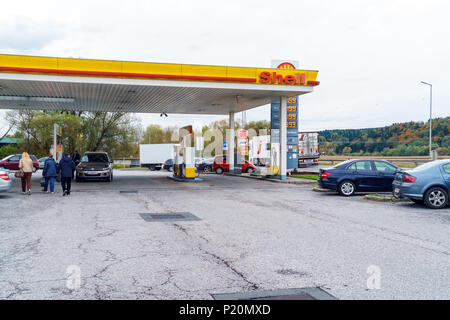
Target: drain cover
[[283, 294], [303, 296], [168, 216]]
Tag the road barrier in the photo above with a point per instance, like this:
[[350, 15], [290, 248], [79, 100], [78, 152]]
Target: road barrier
[[416, 160], [127, 162]]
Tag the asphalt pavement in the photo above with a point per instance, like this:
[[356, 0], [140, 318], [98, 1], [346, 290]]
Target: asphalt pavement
[[252, 235]]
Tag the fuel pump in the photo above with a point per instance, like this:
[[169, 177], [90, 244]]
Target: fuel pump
[[273, 167], [184, 159]]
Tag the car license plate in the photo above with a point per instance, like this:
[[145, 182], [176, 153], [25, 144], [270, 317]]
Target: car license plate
[[91, 173]]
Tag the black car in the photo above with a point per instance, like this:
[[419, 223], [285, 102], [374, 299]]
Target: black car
[[206, 165], [168, 165], [353, 176]]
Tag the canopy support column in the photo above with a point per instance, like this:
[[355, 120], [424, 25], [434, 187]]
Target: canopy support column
[[230, 157], [283, 137]]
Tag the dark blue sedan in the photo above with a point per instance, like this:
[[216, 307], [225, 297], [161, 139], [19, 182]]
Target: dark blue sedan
[[359, 175]]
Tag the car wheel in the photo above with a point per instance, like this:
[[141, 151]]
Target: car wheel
[[111, 177], [250, 170], [77, 179], [347, 188], [207, 169], [219, 170], [436, 198]]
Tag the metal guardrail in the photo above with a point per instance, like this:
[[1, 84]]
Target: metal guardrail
[[416, 160], [127, 162]]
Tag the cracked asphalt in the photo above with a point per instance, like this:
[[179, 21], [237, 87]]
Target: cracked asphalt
[[253, 235]]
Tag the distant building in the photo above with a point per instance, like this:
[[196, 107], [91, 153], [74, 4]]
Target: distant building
[[7, 140]]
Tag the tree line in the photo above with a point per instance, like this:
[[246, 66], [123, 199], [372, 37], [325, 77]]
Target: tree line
[[398, 139], [117, 133]]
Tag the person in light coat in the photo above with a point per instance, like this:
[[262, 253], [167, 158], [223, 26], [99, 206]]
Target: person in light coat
[[26, 165]]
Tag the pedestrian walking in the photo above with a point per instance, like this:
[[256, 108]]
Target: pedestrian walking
[[49, 174], [26, 166], [76, 159], [66, 167]]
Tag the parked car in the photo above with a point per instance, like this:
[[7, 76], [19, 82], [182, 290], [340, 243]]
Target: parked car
[[428, 183], [94, 165], [42, 162], [352, 176], [168, 165], [221, 165], [5, 181], [198, 160], [205, 165], [12, 162]]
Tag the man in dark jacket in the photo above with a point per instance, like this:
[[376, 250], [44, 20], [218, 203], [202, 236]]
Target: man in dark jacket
[[66, 167], [76, 159], [49, 173]]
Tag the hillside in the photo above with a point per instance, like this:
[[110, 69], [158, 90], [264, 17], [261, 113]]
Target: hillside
[[399, 139]]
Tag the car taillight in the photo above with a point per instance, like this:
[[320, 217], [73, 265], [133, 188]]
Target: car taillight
[[4, 177], [300, 160], [325, 175], [164, 164], [316, 160], [409, 179]]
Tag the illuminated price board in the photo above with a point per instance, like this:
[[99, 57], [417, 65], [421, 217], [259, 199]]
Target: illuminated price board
[[291, 129]]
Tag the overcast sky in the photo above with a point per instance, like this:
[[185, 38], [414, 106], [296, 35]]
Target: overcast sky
[[371, 55]]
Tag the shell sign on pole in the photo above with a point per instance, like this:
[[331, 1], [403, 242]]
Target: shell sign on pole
[[242, 142]]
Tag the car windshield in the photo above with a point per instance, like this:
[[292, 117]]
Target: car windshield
[[342, 163], [424, 166], [94, 157]]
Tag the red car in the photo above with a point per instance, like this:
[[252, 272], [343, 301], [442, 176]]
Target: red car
[[221, 165], [12, 162]]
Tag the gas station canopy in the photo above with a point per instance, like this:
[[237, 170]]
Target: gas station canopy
[[45, 83]]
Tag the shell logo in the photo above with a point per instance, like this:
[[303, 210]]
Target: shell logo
[[286, 65]]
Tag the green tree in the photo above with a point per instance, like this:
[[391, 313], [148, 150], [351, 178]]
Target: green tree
[[7, 150], [116, 133], [346, 151]]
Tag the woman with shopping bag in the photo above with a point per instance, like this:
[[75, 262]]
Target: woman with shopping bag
[[25, 172]]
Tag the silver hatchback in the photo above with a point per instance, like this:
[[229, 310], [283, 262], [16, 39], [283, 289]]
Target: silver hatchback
[[5, 181]]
